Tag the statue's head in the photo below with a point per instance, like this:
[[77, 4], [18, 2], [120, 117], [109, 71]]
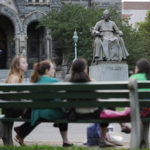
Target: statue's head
[[106, 15]]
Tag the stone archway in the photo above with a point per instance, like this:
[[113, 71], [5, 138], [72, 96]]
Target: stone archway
[[13, 16], [35, 43], [32, 17], [38, 41], [7, 43], [10, 27]]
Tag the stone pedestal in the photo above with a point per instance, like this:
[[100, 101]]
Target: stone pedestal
[[109, 71]]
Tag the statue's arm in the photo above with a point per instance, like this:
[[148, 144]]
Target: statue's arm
[[96, 29], [116, 29]]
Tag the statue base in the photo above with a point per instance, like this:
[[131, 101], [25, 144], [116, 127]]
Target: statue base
[[109, 71]]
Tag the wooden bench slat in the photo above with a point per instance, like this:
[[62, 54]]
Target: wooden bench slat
[[52, 104], [144, 103], [144, 84], [65, 95], [144, 94], [64, 86], [77, 121]]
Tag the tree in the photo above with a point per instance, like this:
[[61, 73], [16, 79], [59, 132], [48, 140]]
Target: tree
[[63, 23], [89, 3], [144, 31]]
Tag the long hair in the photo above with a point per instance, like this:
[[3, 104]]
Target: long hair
[[39, 69], [78, 73], [144, 67], [15, 69]]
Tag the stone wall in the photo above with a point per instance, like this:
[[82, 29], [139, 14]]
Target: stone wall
[[115, 4], [26, 7]]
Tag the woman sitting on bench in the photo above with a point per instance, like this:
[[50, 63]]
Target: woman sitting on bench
[[18, 66], [79, 73], [43, 72]]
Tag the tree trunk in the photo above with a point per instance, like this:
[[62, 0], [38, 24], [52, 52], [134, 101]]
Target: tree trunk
[[89, 3]]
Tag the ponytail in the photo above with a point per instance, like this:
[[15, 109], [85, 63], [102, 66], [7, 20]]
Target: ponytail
[[39, 69], [35, 76]]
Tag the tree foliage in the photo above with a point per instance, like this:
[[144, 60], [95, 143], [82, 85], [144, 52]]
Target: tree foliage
[[144, 31], [63, 23]]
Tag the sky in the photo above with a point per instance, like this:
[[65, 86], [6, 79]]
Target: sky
[[136, 0]]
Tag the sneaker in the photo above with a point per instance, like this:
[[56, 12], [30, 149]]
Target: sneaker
[[106, 144]]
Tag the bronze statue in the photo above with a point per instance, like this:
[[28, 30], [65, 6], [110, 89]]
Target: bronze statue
[[108, 42]]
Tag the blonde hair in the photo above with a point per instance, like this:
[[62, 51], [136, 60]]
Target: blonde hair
[[39, 70], [15, 69]]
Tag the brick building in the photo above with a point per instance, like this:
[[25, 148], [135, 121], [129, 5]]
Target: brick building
[[136, 11]]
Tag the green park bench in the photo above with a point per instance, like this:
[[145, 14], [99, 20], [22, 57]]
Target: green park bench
[[111, 95]]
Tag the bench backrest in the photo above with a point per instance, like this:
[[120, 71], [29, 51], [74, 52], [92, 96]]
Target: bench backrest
[[20, 95]]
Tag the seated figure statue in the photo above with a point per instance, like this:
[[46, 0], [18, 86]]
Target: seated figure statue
[[108, 42]]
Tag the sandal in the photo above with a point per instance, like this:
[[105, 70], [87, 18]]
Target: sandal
[[106, 144], [18, 139]]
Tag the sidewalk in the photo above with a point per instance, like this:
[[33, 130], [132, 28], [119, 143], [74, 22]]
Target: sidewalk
[[45, 133]]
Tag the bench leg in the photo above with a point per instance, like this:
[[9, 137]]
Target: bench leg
[[135, 115], [7, 133], [135, 135], [144, 135]]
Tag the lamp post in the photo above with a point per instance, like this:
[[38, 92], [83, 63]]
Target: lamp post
[[75, 38]]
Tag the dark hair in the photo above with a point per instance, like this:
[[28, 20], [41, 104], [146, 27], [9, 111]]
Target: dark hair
[[39, 69], [144, 67], [78, 73]]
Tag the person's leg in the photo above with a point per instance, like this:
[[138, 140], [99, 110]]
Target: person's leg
[[103, 130], [103, 142], [22, 131], [63, 127]]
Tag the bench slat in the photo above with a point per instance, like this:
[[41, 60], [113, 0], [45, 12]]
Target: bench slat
[[144, 94], [65, 95], [50, 104], [77, 121], [144, 84], [64, 86]]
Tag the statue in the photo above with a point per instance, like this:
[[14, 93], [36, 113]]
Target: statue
[[108, 42]]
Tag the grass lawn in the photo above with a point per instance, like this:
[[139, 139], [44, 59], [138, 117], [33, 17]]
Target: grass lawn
[[44, 147]]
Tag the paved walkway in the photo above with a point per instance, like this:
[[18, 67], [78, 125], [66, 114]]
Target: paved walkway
[[45, 133]]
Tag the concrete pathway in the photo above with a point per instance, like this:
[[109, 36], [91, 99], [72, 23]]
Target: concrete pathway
[[45, 133]]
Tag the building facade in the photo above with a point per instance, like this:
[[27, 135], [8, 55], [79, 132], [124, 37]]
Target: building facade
[[19, 34], [135, 11]]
